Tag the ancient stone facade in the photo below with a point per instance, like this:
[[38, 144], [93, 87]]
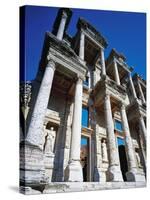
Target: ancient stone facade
[[74, 74]]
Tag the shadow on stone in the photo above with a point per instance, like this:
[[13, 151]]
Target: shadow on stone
[[14, 188]]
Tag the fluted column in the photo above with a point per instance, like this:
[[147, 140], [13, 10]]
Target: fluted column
[[82, 43], [117, 79], [34, 135], [103, 62], [74, 169], [132, 166], [61, 29], [132, 86], [143, 129], [141, 92], [114, 171]]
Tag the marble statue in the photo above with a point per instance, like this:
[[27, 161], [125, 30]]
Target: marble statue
[[104, 150], [50, 141]]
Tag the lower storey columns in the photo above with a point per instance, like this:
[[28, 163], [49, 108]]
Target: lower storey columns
[[74, 170], [34, 135], [114, 172], [32, 173], [132, 167], [142, 129], [133, 174]]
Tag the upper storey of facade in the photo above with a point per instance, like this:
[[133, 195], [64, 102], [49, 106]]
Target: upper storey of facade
[[82, 55], [117, 68], [140, 87], [83, 52]]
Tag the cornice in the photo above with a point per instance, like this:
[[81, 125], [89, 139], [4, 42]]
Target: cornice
[[83, 24]]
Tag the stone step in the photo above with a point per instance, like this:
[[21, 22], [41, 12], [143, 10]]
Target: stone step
[[59, 187]]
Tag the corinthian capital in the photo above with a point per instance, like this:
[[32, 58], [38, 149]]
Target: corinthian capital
[[106, 97], [122, 106], [51, 64], [64, 14]]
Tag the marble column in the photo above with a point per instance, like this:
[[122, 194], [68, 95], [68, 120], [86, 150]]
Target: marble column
[[82, 44], [34, 135], [61, 29], [132, 86], [74, 170], [143, 147], [142, 129], [89, 79], [117, 79], [99, 176], [132, 167], [103, 62], [141, 91], [114, 172]]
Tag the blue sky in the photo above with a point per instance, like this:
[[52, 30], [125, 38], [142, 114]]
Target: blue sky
[[124, 31]]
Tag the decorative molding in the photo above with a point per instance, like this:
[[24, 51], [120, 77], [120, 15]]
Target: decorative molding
[[92, 32], [25, 94], [51, 64]]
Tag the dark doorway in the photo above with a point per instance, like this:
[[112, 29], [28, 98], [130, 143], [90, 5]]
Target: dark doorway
[[122, 157], [84, 157], [123, 161]]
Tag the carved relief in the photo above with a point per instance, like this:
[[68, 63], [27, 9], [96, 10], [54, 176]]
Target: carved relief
[[138, 159], [25, 94]]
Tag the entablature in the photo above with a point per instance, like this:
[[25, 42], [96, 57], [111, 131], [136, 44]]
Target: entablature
[[108, 86], [64, 57], [135, 110], [91, 32], [137, 77], [123, 69]]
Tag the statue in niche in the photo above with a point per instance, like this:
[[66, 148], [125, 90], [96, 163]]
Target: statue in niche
[[50, 141], [138, 159], [104, 150], [44, 130]]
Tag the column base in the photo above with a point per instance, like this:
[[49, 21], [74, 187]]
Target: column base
[[99, 175], [29, 190], [49, 165], [82, 61], [32, 170], [135, 176], [73, 172], [114, 174]]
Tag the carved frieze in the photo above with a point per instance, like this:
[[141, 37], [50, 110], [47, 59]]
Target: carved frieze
[[25, 93], [108, 86]]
